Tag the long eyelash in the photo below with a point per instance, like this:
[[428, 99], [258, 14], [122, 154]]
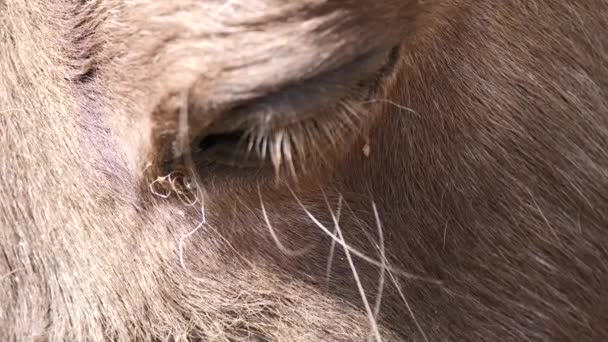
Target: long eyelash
[[290, 148]]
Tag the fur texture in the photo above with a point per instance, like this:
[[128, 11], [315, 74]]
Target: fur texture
[[469, 183]]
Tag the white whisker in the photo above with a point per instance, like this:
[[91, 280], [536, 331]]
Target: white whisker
[[358, 253], [391, 103], [368, 309], [184, 147], [201, 197], [398, 286], [380, 246], [182, 240], [332, 248], [383, 258], [408, 307], [282, 248], [155, 192]]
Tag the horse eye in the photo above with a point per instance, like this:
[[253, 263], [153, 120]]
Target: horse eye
[[280, 124], [228, 149]]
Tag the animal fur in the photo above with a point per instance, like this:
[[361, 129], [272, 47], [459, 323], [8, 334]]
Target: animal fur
[[485, 155]]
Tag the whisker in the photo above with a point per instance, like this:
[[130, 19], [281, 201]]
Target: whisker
[[194, 185], [282, 248], [182, 240], [383, 258], [398, 286], [155, 192], [332, 247], [395, 281], [380, 247], [358, 253], [368, 309], [391, 103]]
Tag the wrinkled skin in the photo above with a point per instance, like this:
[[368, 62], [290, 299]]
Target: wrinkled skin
[[465, 148]]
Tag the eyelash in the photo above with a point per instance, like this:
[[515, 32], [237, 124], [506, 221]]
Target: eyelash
[[288, 149], [255, 147]]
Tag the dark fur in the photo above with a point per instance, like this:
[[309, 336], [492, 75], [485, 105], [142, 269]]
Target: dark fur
[[492, 189]]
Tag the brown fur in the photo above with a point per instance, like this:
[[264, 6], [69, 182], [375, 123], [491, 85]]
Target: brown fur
[[486, 156]]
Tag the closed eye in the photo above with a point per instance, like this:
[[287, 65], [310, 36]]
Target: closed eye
[[272, 128]]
